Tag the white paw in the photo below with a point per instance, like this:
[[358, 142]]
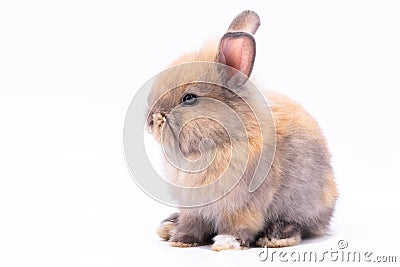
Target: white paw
[[224, 242]]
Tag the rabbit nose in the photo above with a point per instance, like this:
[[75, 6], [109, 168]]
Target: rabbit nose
[[163, 113], [158, 119]]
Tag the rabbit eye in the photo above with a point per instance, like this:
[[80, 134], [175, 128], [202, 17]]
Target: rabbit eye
[[189, 99]]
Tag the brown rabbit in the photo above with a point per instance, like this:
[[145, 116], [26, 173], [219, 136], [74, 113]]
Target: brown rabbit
[[298, 195]]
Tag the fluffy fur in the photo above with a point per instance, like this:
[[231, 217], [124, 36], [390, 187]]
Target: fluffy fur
[[298, 196]]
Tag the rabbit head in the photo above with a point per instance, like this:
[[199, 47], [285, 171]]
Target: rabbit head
[[204, 107]]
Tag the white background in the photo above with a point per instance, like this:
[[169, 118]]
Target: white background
[[69, 69]]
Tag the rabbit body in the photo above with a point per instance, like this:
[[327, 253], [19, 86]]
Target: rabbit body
[[298, 195]]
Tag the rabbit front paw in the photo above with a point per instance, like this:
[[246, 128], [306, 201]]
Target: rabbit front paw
[[225, 242]]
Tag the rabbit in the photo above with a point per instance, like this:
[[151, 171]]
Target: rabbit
[[296, 199]]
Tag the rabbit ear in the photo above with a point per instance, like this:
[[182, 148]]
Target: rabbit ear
[[247, 21], [237, 47], [237, 50]]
